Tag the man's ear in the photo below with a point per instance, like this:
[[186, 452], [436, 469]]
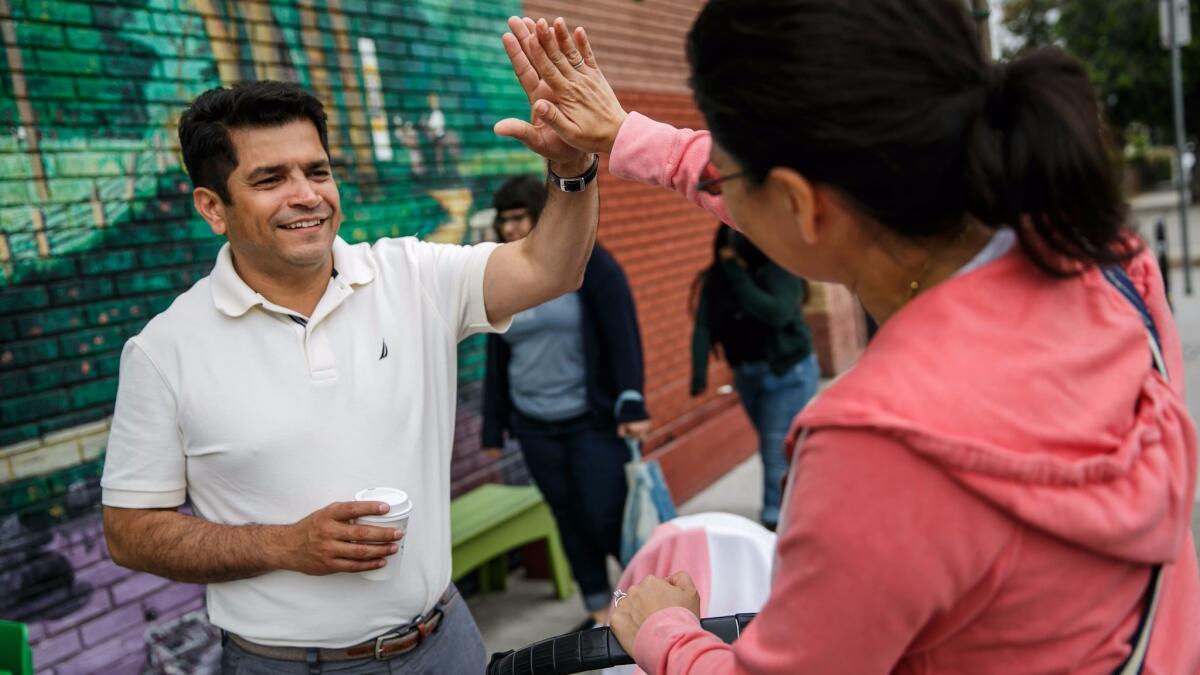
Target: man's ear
[[801, 200], [211, 208]]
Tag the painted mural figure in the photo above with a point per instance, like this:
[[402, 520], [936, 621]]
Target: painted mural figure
[[445, 142], [406, 133], [301, 374]]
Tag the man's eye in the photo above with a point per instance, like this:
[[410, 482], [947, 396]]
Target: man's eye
[[322, 173], [267, 181]]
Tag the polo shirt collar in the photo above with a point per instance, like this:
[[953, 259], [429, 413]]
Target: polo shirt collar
[[233, 297]]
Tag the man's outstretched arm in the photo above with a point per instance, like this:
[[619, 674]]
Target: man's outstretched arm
[[551, 260]]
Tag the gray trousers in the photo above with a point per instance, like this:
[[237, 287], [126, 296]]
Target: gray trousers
[[456, 648]]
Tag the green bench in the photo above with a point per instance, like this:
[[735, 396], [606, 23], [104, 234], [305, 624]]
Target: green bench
[[491, 520], [16, 658]]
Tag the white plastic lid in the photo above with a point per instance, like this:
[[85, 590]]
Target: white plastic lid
[[397, 500]]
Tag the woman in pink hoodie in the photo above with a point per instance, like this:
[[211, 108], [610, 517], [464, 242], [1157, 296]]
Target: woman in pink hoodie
[[993, 486]]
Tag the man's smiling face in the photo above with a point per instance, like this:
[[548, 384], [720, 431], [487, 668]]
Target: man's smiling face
[[285, 209]]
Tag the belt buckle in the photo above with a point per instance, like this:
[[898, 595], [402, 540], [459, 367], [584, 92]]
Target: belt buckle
[[379, 644], [419, 625]]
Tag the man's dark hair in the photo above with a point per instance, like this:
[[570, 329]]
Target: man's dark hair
[[208, 152], [520, 192], [892, 103]]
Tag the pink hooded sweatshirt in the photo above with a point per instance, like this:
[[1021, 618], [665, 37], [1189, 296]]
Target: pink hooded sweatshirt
[[985, 491]]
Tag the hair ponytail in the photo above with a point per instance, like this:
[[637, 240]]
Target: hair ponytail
[[1038, 160], [891, 102]]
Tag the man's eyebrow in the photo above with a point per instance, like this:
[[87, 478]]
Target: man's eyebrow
[[318, 164], [263, 172]]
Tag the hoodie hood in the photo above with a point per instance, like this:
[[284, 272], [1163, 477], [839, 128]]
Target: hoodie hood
[[1038, 394]]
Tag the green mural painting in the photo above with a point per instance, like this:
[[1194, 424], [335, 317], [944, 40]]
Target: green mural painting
[[97, 235]]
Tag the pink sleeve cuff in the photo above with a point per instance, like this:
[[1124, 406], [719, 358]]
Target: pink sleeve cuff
[[654, 153], [661, 631]]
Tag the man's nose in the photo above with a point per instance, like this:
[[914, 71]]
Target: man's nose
[[304, 195]]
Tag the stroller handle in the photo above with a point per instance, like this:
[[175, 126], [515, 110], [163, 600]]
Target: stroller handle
[[592, 649]]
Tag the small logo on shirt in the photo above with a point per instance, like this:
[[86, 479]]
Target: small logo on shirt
[[383, 354]]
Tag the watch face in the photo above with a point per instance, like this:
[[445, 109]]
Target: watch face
[[573, 184]]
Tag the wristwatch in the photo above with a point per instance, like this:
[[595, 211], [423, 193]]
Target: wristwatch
[[578, 183]]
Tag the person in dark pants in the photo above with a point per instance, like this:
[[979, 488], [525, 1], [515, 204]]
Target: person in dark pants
[[566, 381], [751, 308]]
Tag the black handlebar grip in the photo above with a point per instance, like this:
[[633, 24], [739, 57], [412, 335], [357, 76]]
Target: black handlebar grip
[[592, 649]]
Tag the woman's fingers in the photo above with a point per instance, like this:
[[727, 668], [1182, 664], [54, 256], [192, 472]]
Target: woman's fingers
[[585, 48], [562, 36], [549, 43], [535, 50], [682, 580]]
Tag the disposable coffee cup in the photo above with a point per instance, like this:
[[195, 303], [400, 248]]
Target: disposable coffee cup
[[399, 509]]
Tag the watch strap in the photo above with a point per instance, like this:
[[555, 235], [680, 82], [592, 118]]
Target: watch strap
[[576, 183]]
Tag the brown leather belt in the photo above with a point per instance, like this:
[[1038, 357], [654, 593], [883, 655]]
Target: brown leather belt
[[390, 645]]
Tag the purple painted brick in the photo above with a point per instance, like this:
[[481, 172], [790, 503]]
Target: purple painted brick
[[100, 629], [97, 604], [83, 555], [49, 651], [134, 664], [171, 613], [106, 657], [101, 574], [36, 631], [136, 586], [46, 600], [173, 597], [180, 611]]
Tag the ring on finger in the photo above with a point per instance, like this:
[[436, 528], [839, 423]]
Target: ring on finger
[[618, 596], [579, 65]]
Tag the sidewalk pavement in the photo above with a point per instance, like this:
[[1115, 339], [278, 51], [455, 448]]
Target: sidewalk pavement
[[528, 611]]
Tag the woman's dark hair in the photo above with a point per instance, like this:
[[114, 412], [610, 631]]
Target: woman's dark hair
[[208, 152], [519, 192], [892, 103], [723, 306]]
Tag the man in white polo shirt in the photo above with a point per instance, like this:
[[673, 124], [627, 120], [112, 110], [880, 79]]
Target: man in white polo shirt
[[302, 370]]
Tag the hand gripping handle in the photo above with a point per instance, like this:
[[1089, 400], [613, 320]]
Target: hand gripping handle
[[592, 649]]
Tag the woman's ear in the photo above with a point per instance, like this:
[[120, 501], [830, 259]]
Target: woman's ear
[[801, 201], [211, 207]]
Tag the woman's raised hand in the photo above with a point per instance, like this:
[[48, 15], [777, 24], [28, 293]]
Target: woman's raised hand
[[571, 98]]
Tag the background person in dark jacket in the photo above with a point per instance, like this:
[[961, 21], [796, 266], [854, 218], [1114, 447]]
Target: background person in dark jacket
[[566, 380], [751, 309]]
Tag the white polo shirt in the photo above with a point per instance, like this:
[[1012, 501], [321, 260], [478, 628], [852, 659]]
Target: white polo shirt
[[257, 416]]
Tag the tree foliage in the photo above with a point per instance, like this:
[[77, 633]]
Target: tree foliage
[[1119, 41]]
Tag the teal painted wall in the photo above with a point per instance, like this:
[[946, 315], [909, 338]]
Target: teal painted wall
[[97, 235]]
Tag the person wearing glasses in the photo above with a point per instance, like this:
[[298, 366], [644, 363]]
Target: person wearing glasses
[[1003, 482], [566, 381], [749, 311]]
